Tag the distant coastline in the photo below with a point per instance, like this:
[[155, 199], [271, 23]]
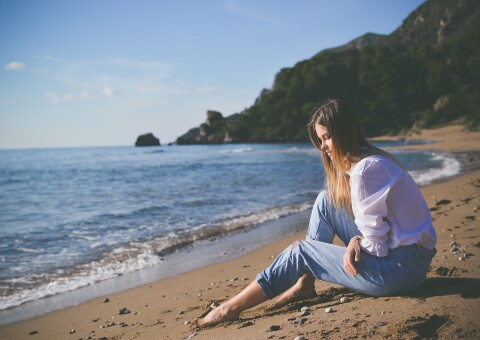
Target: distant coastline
[[395, 83]]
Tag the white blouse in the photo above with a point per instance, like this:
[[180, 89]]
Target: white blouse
[[389, 209]]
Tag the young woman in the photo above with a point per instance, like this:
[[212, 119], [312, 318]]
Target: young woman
[[371, 203]]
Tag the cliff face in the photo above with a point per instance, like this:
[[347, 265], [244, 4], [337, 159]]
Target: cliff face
[[423, 74], [435, 23], [210, 132], [215, 130]]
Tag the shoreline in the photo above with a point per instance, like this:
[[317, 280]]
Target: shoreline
[[191, 296], [163, 307], [206, 251]]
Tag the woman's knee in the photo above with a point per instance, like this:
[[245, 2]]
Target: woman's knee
[[318, 227], [321, 200]]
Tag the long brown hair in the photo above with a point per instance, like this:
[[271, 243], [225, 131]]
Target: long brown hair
[[350, 145]]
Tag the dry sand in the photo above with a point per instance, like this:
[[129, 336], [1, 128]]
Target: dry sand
[[449, 138], [447, 306]]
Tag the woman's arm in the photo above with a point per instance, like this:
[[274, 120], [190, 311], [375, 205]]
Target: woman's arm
[[352, 255], [370, 184]]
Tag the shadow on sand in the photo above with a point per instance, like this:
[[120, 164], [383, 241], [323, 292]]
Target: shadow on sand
[[441, 286]]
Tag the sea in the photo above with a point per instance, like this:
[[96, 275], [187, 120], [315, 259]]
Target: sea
[[76, 217]]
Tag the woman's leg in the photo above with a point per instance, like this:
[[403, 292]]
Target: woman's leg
[[302, 290], [325, 223], [251, 296], [323, 261]]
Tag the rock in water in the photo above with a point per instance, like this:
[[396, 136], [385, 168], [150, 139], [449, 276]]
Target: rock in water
[[147, 139]]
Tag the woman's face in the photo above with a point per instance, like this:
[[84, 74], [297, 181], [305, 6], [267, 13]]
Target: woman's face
[[325, 138]]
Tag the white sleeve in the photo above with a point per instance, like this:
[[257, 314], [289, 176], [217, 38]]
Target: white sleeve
[[369, 190]]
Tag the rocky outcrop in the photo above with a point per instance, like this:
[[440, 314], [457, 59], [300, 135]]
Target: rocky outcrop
[[147, 139], [421, 75], [213, 131]]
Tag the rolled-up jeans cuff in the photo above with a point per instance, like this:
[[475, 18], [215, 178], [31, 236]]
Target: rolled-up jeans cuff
[[265, 286]]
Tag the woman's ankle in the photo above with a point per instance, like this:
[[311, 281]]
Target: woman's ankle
[[306, 283]]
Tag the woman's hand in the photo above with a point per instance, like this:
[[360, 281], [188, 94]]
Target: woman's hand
[[352, 256]]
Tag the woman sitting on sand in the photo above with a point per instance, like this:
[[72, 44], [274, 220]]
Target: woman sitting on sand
[[371, 203]]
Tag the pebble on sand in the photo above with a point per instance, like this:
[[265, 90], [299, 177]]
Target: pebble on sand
[[33, 332], [123, 311], [72, 331], [106, 300], [343, 299], [274, 328], [380, 324], [299, 320], [299, 338], [328, 310], [304, 313], [192, 335]]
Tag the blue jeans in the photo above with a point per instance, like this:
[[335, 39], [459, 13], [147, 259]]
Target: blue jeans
[[403, 269]]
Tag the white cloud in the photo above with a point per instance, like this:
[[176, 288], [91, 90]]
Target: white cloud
[[137, 77], [54, 97], [15, 66], [85, 96], [69, 97], [108, 91]]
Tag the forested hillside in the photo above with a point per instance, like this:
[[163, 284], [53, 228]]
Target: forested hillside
[[426, 73]]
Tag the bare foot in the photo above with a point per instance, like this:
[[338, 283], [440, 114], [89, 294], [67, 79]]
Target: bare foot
[[218, 315], [302, 290]]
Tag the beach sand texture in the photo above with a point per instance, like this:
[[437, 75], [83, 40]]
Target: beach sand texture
[[447, 306]]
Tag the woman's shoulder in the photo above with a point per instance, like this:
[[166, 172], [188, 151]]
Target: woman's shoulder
[[375, 165]]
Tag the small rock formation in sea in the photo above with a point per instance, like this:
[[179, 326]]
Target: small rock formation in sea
[[215, 130], [147, 139]]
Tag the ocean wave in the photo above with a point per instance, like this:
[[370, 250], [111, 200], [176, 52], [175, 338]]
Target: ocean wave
[[81, 276], [238, 150], [306, 151], [129, 258], [450, 166], [30, 250]]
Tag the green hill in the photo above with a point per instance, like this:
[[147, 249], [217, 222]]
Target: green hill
[[425, 73]]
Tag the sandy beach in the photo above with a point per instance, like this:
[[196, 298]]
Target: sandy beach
[[447, 305]]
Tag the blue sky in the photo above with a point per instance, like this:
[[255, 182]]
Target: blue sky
[[101, 72]]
